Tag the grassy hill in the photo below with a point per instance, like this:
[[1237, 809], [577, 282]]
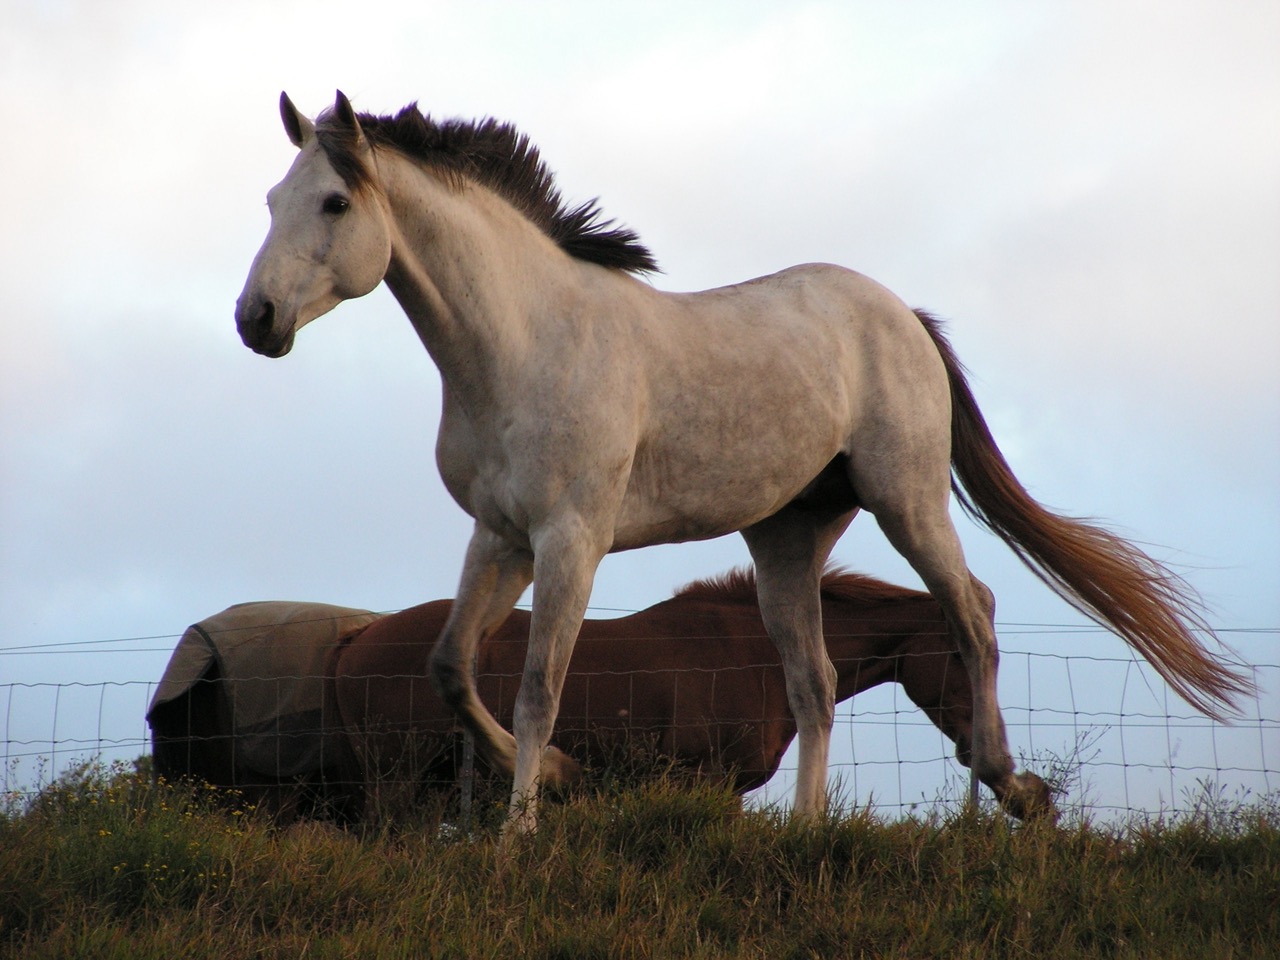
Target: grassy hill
[[107, 864]]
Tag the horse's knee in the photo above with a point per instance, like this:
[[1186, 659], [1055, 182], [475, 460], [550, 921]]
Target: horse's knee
[[535, 709], [812, 698]]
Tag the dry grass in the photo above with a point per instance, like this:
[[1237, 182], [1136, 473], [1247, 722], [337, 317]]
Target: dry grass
[[107, 864]]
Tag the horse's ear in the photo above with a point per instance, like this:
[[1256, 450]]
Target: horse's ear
[[346, 115], [299, 128]]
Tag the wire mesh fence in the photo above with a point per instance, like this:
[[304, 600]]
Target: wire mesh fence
[[1105, 729]]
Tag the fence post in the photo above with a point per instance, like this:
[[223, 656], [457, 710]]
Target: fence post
[[467, 779]]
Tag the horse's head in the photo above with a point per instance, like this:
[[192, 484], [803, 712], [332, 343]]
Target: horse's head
[[329, 240]]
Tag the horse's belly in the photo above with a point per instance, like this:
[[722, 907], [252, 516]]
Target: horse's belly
[[667, 508], [662, 526]]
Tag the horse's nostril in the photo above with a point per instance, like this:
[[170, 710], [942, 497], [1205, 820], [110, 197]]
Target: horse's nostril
[[264, 321]]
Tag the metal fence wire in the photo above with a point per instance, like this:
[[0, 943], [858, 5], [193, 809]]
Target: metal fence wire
[[1139, 752]]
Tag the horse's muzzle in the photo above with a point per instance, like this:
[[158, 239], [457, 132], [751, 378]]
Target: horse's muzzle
[[256, 325]]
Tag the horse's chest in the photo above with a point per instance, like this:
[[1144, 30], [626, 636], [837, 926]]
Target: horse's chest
[[471, 466], [459, 469], [515, 472], [476, 484], [489, 476]]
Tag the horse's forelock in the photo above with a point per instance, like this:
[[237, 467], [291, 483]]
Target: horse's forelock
[[340, 145]]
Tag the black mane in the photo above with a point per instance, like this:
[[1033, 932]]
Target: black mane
[[501, 158]]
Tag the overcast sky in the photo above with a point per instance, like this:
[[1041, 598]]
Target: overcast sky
[[1089, 193]]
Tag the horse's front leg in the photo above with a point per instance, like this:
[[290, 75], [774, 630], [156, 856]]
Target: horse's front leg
[[790, 550], [494, 575], [566, 557]]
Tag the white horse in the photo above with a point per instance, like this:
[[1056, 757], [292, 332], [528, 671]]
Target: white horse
[[586, 412]]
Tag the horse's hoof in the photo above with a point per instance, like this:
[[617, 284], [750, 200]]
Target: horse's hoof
[[558, 768], [1028, 797]]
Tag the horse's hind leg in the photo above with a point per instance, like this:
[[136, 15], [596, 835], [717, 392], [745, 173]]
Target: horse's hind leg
[[925, 536], [790, 550]]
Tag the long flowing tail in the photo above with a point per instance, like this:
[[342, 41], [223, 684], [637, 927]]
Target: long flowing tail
[[1100, 574]]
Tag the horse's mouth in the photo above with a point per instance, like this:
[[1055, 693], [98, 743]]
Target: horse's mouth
[[261, 342], [257, 326], [272, 350]]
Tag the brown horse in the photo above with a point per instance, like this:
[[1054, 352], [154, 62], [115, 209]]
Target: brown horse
[[694, 677]]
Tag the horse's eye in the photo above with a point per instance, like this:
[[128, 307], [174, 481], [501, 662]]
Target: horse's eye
[[335, 204]]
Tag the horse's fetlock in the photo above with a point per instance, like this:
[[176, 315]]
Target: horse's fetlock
[[994, 769]]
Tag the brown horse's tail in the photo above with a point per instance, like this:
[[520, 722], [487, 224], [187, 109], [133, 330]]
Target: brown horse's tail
[[1103, 576]]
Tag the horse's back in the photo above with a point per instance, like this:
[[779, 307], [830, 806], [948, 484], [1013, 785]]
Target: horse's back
[[380, 674], [748, 393], [806, 307]]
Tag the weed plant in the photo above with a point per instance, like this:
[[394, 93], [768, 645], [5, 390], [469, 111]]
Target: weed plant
[[107, 863]]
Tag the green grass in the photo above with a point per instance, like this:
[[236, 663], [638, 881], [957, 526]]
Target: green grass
[[106, 863]]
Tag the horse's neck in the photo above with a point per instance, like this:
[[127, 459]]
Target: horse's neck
[[864, 638], [469, 271]]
